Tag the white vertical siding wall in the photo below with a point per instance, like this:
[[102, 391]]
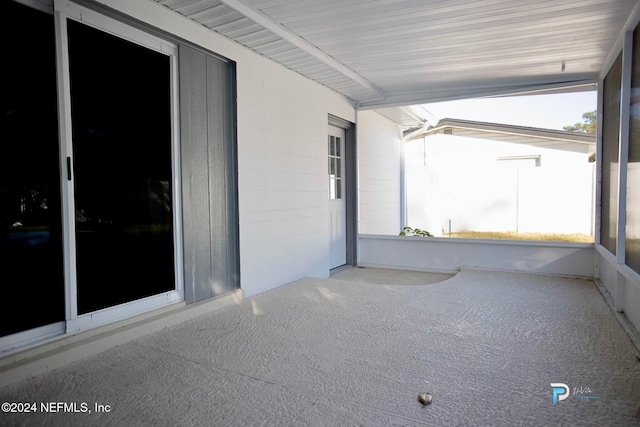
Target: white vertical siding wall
[[379, 182], [282, 149], [283, 183]]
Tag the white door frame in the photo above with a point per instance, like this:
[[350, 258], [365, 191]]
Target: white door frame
[[337, 197], [75, 322]]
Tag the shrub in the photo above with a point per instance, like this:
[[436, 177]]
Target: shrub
[[408, 231]]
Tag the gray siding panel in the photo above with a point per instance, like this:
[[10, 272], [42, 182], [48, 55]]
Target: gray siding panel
[[231, 153], [208, 177], [217, 175]]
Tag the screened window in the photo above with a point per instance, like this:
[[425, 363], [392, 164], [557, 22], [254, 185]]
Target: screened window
[[632, 242], [610, 137]]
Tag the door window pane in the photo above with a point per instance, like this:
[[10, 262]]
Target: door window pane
[[30, 221], [120, 105], [335, 168]]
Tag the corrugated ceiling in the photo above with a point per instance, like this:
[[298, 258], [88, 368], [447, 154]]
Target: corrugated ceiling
[[383, 53]]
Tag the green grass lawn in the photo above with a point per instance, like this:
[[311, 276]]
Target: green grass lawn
[[512, 235]]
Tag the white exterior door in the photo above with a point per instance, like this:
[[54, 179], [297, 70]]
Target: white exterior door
[[337, 205]]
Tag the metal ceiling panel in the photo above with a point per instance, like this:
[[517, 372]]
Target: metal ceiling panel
[[386, 52]]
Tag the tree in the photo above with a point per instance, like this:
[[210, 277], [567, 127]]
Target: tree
[[589, 125]]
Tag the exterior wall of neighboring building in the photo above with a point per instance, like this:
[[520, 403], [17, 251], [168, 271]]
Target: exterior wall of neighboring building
[[487, 181], [379, 164]]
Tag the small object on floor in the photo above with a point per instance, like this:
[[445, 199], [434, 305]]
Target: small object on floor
[[425, 398]]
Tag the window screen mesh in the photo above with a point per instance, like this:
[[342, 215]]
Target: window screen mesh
[[610, 134], [632, 241]]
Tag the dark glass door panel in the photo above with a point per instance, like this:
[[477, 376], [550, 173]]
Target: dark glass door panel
[[121, 115], [31, 262]]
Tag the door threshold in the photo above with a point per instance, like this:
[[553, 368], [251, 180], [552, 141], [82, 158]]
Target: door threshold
[[341, 268]]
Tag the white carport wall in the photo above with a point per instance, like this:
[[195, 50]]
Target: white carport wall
[[380, 174]]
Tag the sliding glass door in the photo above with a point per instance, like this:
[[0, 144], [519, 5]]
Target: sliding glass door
[[93, 173], [31, 269], [88, 170], [122, 168]]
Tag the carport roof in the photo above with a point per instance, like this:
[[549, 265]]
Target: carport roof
[[387, 53], [554, 134]]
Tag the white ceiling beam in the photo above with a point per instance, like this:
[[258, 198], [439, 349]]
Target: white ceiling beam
[[444, 94], [260, 18]]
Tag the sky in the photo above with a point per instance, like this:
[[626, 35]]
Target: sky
[[544, 111]]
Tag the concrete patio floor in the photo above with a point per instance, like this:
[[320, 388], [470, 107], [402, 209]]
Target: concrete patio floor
[[325, 352]]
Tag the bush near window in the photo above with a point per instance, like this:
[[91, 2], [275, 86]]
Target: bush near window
[[408, 231]]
